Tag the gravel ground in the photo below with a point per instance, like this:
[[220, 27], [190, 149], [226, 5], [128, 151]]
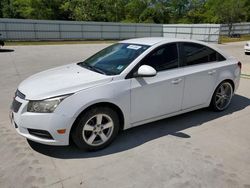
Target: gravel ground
[[196, 149]]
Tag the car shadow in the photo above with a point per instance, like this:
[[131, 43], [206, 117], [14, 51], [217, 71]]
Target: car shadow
[[137, 136], [6, 50]]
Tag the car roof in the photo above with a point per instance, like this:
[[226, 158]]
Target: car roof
[[150, 41]]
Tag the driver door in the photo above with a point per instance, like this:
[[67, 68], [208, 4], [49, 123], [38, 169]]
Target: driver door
[[152, 97]]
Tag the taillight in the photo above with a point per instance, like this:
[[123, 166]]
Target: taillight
[[239, 65]]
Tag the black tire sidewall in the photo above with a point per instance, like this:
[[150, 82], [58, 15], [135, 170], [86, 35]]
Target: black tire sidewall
[[78, 129]]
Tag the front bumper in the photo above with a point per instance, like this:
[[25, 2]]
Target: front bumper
[[24, 121], [247, 49]]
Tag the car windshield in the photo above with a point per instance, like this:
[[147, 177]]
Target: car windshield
[[113, 59]]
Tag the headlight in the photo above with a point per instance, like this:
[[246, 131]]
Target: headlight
[[45, 106]]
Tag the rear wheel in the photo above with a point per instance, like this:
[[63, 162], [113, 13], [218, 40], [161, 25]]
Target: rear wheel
[[222, 96], [96, 129]]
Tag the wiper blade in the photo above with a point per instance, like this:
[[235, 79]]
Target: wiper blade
[[93, 68], [98, 70]]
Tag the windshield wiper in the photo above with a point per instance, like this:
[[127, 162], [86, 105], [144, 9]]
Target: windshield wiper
[[92, 68]]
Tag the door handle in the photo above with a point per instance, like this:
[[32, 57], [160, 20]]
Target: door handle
[[176, 81], [212, 72]]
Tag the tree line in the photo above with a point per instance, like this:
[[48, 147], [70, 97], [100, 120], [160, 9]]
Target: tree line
[[132, 11]]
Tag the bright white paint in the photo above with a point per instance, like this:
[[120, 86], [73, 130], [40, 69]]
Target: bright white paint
[[141, 99], [247, 47], [146, 70]]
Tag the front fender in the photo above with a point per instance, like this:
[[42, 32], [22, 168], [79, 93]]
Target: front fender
[[115, 92]]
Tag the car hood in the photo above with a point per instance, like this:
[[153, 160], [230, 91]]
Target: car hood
[[60, 81]]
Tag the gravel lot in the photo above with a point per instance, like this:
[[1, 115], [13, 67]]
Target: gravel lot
[[197, 149]]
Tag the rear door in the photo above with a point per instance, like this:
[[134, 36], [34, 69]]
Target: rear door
[[200, 70]]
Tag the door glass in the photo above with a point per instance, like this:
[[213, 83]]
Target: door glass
[[197, 54], [163, 58]]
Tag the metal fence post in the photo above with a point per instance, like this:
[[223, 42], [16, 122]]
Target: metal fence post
[[6, 31], [119, 31], [209, 33], [34, 28], [162, 31], [219, 38], [82, 33], [249, 28], [191, 34], [60, 34], [101, 31]]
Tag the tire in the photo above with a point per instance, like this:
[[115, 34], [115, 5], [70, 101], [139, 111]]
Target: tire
[[2, 43], [246, 53], [96, 128], [222, 96]]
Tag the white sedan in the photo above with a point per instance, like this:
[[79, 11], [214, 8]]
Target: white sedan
[[127, 84], [247, 48]]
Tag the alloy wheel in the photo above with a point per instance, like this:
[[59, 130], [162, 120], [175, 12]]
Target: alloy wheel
[[98, 129], [223, 96]]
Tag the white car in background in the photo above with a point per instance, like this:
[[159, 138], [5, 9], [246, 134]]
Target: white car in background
[[127, 84], [247, 48]]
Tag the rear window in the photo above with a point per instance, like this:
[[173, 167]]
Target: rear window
[[198, 54]]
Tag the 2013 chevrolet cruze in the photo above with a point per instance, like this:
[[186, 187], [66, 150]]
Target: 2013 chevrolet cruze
[[127, 84]]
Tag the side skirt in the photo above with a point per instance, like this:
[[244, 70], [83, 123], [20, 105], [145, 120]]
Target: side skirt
[[168, 115]]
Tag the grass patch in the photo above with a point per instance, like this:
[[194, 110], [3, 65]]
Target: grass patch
[[225, 39], [21, 43]]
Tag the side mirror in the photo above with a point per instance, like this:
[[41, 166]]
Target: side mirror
[[145, 71]]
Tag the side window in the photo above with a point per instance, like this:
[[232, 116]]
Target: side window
[[197, 54], [163, 58], [220, 57]]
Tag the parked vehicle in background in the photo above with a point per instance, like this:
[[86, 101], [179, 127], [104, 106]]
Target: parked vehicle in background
[[1, 40], [127, 84], [247, 48]]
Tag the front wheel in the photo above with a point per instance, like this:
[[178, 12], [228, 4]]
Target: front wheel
[[222, 96], [96, 129]]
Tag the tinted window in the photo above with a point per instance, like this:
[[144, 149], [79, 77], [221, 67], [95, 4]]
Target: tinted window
[[220, 57], [165, 57], [197, 54]]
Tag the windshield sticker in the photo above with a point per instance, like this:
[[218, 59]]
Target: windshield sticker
[[120, 67], [134, 47]]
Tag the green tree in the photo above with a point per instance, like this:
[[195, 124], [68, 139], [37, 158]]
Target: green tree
[[136, 11], [226, 11], [178, 9], [156, 12], [196, 12]]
